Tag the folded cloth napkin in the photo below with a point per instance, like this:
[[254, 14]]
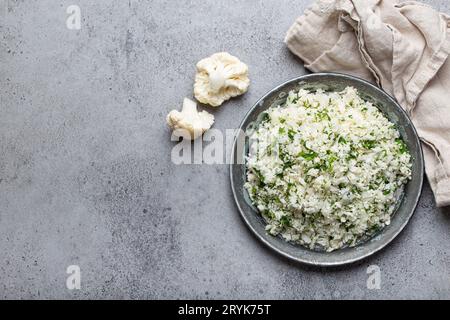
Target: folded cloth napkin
[[402, 47]]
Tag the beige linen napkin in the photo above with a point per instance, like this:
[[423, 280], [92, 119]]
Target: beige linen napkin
[[403, 47]]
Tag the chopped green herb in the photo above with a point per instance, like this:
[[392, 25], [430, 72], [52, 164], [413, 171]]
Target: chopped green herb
[[285, 221], [355, 190], [306, 104], [331, 159], [322, 166], [260, 177], [402, 146], [308, 155], [322, 115], [265, 117], [270, 214], [291, 134], [368, 144], [288, 165]]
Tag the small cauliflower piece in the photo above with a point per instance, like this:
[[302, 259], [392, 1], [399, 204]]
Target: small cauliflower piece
[[219, 78], [189, 123]]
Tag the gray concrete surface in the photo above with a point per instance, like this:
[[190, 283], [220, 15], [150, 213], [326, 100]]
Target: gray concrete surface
[[85, 171]]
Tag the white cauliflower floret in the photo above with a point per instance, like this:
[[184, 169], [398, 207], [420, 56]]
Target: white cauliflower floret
[[219, 78], [189, 123]]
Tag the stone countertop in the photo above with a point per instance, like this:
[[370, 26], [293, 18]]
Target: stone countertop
[[86, 176]]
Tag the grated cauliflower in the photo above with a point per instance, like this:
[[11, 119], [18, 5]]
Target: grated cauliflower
[[326, 169]]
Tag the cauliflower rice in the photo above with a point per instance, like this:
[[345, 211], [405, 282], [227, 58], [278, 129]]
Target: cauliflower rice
[[326, 169]]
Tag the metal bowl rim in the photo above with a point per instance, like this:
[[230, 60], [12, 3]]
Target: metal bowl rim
[[363, 256]]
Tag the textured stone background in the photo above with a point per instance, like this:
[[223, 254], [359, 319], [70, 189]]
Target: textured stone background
[[85, 171]]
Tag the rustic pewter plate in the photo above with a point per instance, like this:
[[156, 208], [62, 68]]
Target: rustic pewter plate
[[407, 201]]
